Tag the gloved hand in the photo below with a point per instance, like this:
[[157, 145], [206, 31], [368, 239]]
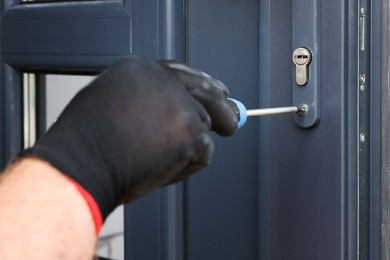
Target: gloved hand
[[139, 125]]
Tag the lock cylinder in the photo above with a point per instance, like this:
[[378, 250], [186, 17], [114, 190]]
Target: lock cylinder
[[302, 58]]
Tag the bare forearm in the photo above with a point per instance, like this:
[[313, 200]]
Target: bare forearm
[[42, 215]]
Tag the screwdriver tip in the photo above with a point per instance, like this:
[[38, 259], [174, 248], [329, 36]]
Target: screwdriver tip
[[302, 109]]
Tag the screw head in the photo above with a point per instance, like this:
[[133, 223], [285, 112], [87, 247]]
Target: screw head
[[302, 109], [362, 78]]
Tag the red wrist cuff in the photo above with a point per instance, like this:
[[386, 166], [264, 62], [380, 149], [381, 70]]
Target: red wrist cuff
[[92, 205]]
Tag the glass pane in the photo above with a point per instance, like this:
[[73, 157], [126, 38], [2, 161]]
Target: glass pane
[[59, 90]]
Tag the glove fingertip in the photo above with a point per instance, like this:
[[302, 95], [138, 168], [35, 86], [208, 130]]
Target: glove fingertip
[[224, 121]]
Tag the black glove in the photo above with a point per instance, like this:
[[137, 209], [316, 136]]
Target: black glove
[[139, 125]]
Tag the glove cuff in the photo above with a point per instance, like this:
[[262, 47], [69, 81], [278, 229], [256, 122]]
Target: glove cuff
[[89, 180], [92, 205]]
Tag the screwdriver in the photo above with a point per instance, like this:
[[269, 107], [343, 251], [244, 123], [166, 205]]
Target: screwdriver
[[242, 113]]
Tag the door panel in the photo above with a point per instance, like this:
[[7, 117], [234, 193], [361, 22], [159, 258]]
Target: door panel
[[223, 199], [25, 44], [305, 164], [303, 189]]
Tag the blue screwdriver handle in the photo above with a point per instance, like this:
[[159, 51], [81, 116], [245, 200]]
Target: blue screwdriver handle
[[240, 111]]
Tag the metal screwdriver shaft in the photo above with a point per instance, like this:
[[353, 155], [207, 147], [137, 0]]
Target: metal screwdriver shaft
[[242, 113], [271, 111]]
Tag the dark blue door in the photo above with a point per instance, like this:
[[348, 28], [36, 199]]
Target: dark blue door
[[275, 190]]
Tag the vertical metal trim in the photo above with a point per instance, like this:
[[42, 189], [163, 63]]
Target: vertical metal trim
[[11, 121], [167, 30], [158, 33], [350, 126], [185, 57], [385, 131], [10, 131], [264, 129], [10, 105], [363, 136], [375, 128], [41, 104], [127, 4], [171, 197]]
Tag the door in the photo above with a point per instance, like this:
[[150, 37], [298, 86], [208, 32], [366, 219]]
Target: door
[[275, 190]]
